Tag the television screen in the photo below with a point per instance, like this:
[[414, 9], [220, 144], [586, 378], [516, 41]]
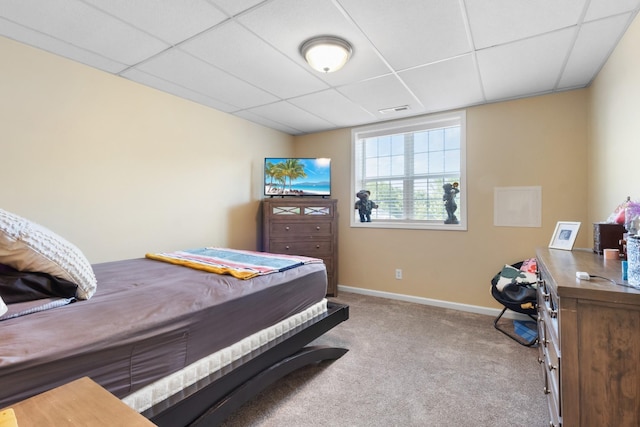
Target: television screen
[[297, 177]]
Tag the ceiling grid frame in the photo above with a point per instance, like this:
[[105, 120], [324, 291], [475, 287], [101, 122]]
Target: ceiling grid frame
[[388, 68]]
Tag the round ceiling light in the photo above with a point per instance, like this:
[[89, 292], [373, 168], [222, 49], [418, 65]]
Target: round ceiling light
[[326, 53]]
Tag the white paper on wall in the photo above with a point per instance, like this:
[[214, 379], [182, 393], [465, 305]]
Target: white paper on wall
[[517, 206]]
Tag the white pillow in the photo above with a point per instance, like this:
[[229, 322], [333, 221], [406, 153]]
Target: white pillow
[[27, 246]]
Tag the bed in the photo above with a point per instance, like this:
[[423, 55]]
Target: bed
[[180, 345]]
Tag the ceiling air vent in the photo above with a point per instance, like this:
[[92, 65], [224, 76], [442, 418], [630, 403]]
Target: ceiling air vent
[[394, 109]]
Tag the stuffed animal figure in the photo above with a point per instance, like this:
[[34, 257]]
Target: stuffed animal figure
[[449, 198], [364, 205]]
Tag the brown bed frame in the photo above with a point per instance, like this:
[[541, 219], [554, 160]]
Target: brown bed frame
[[211, 400]]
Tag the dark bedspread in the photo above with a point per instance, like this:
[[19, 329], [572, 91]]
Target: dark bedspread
[[146, 320]]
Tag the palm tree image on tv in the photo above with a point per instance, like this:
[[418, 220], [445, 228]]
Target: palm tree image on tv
[[291, 176]]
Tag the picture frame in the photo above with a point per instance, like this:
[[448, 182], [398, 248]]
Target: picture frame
[[564, 235]]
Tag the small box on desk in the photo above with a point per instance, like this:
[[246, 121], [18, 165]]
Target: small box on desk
[[607, 236]]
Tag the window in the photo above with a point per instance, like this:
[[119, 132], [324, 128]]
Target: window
[[405, 166]]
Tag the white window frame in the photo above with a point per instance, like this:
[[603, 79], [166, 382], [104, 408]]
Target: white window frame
[[407, 125]]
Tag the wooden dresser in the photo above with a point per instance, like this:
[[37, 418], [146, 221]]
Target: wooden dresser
[[589, 334], [303, 226]]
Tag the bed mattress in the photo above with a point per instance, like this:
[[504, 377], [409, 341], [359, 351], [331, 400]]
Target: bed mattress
[[147, 320]]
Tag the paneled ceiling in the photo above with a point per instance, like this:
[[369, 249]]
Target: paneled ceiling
[[242, 56]]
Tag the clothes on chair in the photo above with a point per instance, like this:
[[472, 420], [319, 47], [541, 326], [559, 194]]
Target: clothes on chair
[[516, 290], [512, 275]]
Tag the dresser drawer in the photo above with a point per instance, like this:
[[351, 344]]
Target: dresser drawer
[[552, 365], [554, 414], [300, 210], [552, 399], [543, 338], [550, 361], [549, 346], [317, 248], [300, 229], [548, 306]]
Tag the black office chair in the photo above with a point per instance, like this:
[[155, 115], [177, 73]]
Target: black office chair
[[517, 297]]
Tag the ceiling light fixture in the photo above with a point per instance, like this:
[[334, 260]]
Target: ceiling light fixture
[[326, 53]]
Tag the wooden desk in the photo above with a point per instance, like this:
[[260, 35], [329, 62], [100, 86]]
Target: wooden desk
[[588, 340], [81, 403]]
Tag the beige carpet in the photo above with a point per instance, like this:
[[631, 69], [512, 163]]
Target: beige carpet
[[408, 365]]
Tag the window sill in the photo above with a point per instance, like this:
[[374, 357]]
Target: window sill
[[462, 226]]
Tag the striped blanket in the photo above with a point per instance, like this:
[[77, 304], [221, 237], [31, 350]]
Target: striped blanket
[[238, 263]]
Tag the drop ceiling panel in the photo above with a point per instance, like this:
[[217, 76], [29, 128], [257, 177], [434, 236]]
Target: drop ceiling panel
[[591, 49], [85, 27], [447, 84], [276, 73], [174, 89], [601, 8], [334, 107], [382, 93], [194, 74], [44, 42], [245, 114], [296, 117], [170, 21], [508, 20], [530, 66], [418, 37], [234, 7]]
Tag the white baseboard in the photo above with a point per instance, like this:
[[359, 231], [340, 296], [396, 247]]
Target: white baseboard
[[493, 312]]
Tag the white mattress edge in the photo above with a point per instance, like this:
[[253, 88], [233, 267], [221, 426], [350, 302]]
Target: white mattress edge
[[160, 390]]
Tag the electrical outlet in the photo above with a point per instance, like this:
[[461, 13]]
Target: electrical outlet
[[398, 273]]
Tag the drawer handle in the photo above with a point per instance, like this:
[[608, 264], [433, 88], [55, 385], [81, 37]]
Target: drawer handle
[[542, 286], [287, 228], [287, 247], [318, 228], [317, 246], [545, 340]]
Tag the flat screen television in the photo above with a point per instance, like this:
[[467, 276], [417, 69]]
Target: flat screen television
[[297, 176]]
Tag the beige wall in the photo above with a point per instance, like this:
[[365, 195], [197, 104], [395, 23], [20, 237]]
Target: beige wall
[[120, 169], [540, 141], [614, 131]]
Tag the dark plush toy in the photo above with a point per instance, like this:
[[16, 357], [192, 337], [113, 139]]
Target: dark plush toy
[[364, 205]]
